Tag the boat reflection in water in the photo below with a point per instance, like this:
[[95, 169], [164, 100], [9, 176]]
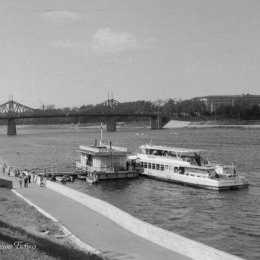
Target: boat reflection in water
[[186, 166]]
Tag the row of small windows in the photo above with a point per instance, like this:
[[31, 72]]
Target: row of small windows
[[155, 166]]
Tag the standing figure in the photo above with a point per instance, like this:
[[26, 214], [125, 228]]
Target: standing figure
[[35, 177], [26, 181], [21, 181], [3, 168], [9, 170], [41, 181], [29, 176]]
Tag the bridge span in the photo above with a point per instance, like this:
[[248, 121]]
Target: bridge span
[[12, 110]]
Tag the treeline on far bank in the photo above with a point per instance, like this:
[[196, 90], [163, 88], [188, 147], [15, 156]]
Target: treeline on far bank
[[242, 109]]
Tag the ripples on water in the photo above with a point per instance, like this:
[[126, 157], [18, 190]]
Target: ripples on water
[[227, 220]]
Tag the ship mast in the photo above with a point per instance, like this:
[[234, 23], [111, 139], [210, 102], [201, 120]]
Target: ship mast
[[101, 142]]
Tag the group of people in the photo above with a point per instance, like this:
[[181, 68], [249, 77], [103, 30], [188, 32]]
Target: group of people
[[24, 177]]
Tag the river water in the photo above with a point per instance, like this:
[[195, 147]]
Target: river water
[[226, 220]]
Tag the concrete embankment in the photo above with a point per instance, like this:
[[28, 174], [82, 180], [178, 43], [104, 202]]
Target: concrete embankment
[[164, 238], [91, 228], [112, 231], [6, 183]]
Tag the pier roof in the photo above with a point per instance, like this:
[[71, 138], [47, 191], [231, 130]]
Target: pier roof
[[104, 150]]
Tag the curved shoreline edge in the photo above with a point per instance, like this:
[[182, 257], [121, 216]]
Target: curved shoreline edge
[[211, 124], [166, 239], [159, 236], [68, 233]]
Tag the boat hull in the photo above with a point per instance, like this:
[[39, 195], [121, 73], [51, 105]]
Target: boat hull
[[206, 183]]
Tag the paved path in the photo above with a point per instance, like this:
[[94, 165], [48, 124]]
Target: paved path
[[93, 228]]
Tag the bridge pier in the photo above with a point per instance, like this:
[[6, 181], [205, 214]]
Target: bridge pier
[[111, 124], [155, 122], [11, 126]]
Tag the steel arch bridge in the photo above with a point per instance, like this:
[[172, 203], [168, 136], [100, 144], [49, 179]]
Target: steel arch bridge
[[12, 110]]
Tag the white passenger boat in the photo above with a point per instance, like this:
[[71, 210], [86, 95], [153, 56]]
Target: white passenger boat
[[186, 166]]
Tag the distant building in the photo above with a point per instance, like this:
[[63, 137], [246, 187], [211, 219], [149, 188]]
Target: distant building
[[46, 107], [50, 107], [214, 102]]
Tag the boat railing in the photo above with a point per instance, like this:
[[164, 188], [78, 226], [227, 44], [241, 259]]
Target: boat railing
[[189, 159]]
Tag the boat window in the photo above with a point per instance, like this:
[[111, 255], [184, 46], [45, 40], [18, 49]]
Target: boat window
[[90, 160], [153, 165], [157, 166], [145, 164], [158, 152], [181, 170], [166, 167], [176, 169], [165, 153], [142, 164], [171, 154], [162, 167], [149, 165]]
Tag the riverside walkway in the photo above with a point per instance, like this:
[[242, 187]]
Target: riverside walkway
[[93, 228]]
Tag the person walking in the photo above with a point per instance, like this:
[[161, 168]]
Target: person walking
[[9, 170], [17, 172], [35, 177], [29, 176], [41, 181], [3, 168], [26, 181], [21, 181]]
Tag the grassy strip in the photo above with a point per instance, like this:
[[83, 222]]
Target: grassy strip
[[39, 237]]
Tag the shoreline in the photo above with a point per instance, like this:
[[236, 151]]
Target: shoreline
[[74, 239], [171, 243], [47, 231], [92, 228], [255, 124]]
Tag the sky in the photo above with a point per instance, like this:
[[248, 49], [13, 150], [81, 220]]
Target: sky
[[75, 52]]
